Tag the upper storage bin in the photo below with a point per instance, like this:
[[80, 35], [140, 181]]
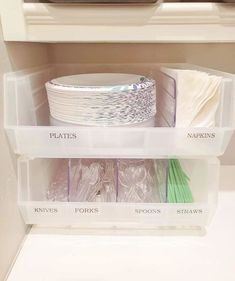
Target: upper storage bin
[[166, 22], [32, 133]]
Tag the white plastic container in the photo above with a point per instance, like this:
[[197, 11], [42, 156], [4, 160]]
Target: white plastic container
[[27, 120], [35, 177]]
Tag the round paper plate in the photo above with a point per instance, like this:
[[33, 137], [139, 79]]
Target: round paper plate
[[102, 99], [100, 81]]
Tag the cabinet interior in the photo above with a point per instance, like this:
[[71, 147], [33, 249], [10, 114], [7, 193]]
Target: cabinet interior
[[219, 56], [18, 56]]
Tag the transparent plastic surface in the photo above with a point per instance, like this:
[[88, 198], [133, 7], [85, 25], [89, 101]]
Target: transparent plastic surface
[[136, 181], [92, 180], [27, 122], [40, 204]]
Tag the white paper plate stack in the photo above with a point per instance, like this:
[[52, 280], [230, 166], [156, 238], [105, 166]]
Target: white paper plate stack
[[102, 99]]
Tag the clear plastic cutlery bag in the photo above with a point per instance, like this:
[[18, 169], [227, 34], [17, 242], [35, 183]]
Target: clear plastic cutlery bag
[[92, 180], [137, 181]]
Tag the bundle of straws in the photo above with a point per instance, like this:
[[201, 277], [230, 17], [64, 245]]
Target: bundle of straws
[[178, 190]]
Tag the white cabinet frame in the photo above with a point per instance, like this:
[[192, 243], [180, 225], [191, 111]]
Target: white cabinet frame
[[167, 22]]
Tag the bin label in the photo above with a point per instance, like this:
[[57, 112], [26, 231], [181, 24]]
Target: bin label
[[68, 136]]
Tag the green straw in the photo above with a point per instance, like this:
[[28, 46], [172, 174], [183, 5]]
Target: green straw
[[178, 190]]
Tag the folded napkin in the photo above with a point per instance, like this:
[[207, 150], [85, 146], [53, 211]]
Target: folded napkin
[[197, 97]]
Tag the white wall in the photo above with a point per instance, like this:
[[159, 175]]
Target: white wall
[[12, 227]]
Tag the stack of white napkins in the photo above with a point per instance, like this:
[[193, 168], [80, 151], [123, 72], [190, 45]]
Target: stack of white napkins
[[197, 97]]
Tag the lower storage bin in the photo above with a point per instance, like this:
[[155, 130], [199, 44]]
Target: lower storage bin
[[125, 193]]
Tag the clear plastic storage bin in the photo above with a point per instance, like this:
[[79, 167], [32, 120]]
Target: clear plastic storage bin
[[29, 132], [38, 179]]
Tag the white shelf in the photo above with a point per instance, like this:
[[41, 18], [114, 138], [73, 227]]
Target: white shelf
[[167, 22], [54, 254]]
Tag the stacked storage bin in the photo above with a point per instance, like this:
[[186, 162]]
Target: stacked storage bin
[[151, 168]]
